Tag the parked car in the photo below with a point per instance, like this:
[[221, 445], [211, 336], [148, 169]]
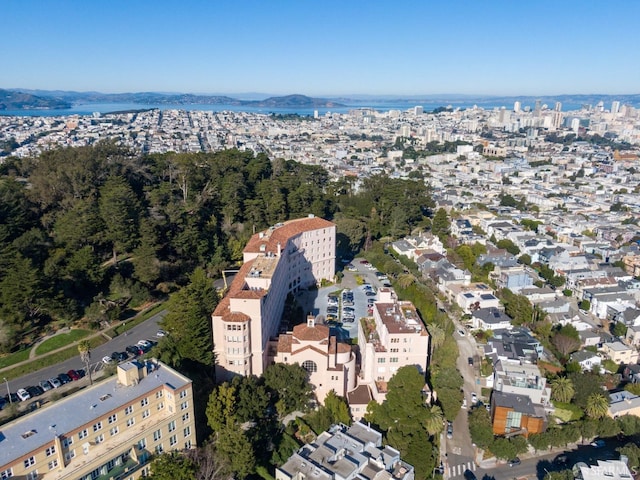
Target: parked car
[[161, 333], [55, 382], [333, 310], [514, 461], [119, 356], [34, 391], [107, 360], [351, 267], [474, 398], [464, 402], [470, 360], [134, 350], [45, 385], [461, 333], [332, 301], [449, 430], [12, 397], [370, 293], [3, 403], [74, 375], [331, 318], [64, 378], [386, 284], [23, 394], [469, 475]]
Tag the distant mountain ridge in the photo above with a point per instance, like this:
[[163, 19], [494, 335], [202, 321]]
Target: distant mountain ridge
[[154, 98], [24, 99], [12, 100]]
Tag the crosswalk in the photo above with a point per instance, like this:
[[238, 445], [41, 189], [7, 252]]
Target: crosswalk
[[458, 470]]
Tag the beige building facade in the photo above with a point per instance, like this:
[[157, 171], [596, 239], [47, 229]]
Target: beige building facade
[[283, 259], [108, 430]]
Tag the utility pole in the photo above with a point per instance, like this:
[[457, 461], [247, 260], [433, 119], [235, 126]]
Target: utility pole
[[8, 391]]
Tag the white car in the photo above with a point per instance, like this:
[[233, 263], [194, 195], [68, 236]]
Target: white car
[[464, 402], [161, 333], [55, 383], [107, 360], [474, 398], [144, 343], [461, 333], [23, 394]]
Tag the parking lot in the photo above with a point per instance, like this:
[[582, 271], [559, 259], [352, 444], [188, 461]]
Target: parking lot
[[317, 302]]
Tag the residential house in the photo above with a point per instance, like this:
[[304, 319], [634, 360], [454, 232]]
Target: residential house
[[586, 359], [513, 414], [619, 352], [523, 379], [517, 344], [491, 319], [472, 297], [346, 453], [623, 403], [513, 278], [604, 470]]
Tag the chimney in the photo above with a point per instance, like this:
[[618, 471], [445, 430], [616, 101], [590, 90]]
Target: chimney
[[279, 248]]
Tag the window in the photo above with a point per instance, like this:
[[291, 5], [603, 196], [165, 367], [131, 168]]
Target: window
[[142, 443], [159, 448], [83, 434], [32, 475], [187, 444], [184, 405], [183, 393], [67, 441], [130, 422], [157, 435], [172, 425], [128, 410], [310, 366], [145, 414], [513, 421], [395, 340], [187, 431], [113, 418], [114, 431], [382, 360], [53, 464], [159, 394], [185, 417], [8, 473], [144, 402], [50, 451], [160, 406], [29, 462], [394, 350], [173, 440], [100, 438], [393, 360], [69, 455], [97, 426]]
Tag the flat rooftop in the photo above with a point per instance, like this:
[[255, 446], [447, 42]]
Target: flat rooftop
[[81, 408]]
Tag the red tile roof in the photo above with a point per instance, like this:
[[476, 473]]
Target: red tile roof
[[282, 234], [311, 334], [237, 290]]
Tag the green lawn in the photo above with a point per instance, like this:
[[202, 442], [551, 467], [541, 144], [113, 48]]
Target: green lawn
[[14, 358], [61, 340]]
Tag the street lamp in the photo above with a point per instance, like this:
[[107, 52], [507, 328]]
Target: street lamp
[[8, 391]]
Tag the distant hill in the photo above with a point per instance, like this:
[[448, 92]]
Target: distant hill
[[154, 98], [12, 100]]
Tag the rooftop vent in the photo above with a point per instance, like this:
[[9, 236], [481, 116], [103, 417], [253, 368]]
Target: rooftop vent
[[105, 397], [28, 433]]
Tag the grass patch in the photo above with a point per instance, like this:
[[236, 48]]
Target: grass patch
[[14, 358], [48, 360], [567, 412], [137, 320], [61, 340]]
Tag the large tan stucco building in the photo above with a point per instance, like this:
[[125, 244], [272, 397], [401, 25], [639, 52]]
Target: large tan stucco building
[[285, 258], [108, 430], [331, 364]]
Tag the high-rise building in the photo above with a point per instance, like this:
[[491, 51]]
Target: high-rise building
[[615, 106], [558, 107], [108, 430], [284, 259], [517, 106]]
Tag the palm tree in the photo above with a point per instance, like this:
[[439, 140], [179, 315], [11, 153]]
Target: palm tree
[[597, 406], [435, 420], [406, 280], [562, 389], [84, 348], [437, 335]]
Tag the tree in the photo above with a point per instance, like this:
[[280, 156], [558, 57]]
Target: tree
[[236, 451], [338, 408], [597, 406], [84, 348], [525, 259], [509, 246], [585, 384], [119, 210], [440, 225], [188, 322], [562, 389], [173, 466], [435, 421], [291, 386], [619, 329], [480, 427]]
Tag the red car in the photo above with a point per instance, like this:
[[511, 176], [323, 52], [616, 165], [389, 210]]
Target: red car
[[74, 375]]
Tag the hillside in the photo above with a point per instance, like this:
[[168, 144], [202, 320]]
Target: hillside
[[12, 100]]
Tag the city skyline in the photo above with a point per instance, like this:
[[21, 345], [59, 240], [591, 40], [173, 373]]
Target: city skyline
[[327, 49]]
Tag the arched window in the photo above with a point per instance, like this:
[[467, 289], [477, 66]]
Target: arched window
[[310, 366]]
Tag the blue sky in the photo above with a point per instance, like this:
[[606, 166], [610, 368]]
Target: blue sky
[[323, 47]]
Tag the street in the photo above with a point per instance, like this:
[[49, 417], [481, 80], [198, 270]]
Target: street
[[145, 331]]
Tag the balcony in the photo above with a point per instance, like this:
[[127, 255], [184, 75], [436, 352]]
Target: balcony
[[120, 471]]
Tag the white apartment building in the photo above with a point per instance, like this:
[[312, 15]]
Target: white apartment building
[[394, 337], [283, 259], [108, 430]]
